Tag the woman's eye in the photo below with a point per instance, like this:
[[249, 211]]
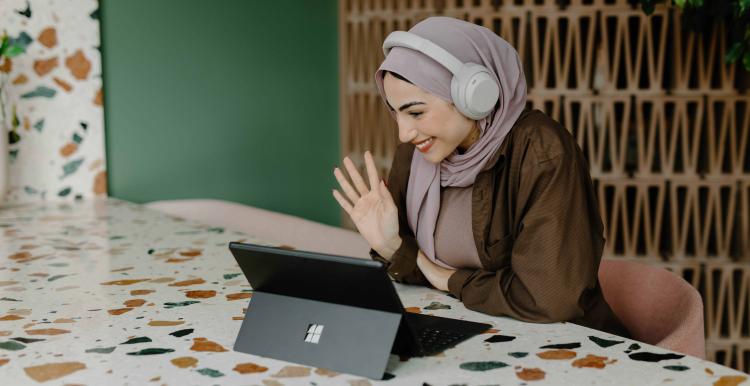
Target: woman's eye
[[415, 114]]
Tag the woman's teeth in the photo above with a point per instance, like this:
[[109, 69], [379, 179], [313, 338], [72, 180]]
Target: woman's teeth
[[425, 144]]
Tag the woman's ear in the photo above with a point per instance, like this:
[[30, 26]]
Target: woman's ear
[[455, 109]]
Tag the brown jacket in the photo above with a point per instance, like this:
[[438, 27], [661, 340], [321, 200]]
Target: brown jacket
[[536, 226]]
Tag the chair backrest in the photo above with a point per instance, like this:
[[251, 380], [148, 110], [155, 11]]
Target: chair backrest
[[269, 226], [657, 306]]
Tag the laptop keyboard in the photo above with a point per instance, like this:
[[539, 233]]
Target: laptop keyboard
[[434, 341]]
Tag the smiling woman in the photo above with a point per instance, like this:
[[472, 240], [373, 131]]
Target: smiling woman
[[485, 199], [432, 124]]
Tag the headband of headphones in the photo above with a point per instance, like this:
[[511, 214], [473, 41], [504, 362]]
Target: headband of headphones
[[418, 43]]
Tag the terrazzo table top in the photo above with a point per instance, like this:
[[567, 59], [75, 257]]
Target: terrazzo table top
[[109, 292]]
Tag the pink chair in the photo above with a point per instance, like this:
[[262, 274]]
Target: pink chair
[[657, 306]]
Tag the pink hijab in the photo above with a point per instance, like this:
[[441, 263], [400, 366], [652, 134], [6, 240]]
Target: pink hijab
[[469, 43]]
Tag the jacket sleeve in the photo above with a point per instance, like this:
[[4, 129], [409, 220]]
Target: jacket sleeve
[[403, 264], [557, 248]]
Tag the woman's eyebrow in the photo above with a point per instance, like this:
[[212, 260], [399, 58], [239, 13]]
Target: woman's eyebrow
[[410, 104]]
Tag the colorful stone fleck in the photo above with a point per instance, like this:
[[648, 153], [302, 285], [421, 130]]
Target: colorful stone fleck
[[730, 380], [162, 323], [249, 368], [211, 372], [592, 361], [184, 362], [437, 306], [653, 357], [203, 344], [483, 366], [563, 346], [11, 346], [557, 354], [101, 350], [50, 371], [605, 342], [152, 351], [181, 333], [292, 372], [140, 339], [179, 304], [532, 374], [499, 338]]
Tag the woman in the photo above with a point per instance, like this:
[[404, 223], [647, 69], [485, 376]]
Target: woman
[[496, 207]]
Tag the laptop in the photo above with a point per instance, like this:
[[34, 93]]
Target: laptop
[[335, 312]]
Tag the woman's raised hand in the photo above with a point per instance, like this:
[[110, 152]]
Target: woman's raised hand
[[372, 210]]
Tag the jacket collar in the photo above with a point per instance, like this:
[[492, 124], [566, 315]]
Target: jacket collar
[[499, 156]]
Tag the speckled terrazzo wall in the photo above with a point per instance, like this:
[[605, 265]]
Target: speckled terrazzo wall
[[57, 147]]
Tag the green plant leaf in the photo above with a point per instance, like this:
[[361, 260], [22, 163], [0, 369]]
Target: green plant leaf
[[744, 6], [14, 51], [15, 122], [23, 40], [17, 46], [648, 6], [3, 45], [734, 52], [746, 60], [13, 137], [679, 3]]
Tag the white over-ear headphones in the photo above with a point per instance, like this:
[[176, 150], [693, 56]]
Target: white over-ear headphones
[[473, 89]]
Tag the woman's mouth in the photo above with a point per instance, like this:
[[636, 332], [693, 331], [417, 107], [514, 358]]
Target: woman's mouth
[[425, 145]]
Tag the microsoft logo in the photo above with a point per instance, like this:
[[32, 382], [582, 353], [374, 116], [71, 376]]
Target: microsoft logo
[[313, 333]]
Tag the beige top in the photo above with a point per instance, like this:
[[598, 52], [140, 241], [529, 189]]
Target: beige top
[[454, 241]]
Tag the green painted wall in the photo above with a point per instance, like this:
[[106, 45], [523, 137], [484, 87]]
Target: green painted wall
[[230, 99]]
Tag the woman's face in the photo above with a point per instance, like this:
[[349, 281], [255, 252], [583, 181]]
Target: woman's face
[[431, 123]]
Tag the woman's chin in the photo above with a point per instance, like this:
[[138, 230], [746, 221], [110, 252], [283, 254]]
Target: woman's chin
[[433, 158], [433, 155]]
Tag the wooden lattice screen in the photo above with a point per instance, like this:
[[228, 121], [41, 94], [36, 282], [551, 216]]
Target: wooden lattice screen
[[664, 124]]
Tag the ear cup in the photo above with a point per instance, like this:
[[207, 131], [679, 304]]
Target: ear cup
[[474, 91]]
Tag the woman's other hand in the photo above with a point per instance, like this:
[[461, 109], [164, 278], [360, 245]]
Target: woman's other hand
[[371, 209], [435, 274]]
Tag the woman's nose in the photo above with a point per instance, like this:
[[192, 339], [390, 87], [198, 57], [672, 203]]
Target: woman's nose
[[406, 132]]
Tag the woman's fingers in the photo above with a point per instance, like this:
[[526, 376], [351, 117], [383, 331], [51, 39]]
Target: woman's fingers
[[353, 196], [359, 183], [372, 171], [342, 201], [361, 189], [385, 193]]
